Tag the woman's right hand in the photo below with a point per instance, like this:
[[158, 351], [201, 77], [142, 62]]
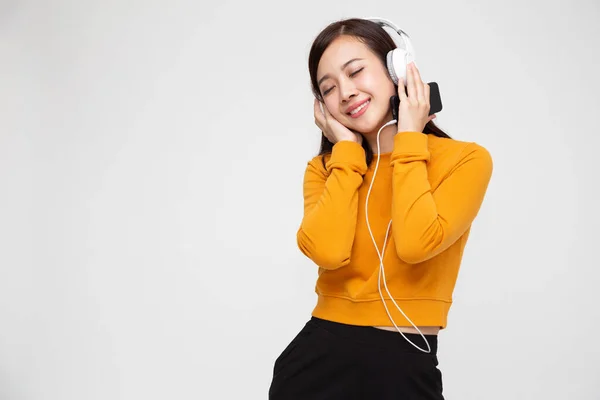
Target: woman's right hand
[[333, 130]]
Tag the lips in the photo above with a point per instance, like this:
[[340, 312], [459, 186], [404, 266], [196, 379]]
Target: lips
[[355, 106]]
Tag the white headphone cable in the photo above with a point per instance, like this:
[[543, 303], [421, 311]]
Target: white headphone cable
[[380, 254]]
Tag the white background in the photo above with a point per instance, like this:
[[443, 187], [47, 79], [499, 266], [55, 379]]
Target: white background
[[151, 163]]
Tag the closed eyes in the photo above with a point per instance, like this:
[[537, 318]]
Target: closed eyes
[[351, 75]]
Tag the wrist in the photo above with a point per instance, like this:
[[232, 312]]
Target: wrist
[[345, 152], [349, 139], [410, 146], [409, 129]]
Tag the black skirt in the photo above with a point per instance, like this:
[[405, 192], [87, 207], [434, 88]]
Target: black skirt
[[329, 361]]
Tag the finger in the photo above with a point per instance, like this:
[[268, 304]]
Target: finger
[[401, 90], [326, 112], [412, 90], [419, 84], [426, 93], [319, 107], [319, 124], [431, 117], [319, 116], [316, 108]]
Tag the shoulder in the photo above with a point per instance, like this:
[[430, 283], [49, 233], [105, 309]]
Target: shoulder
[[450, 155], [445, 148]]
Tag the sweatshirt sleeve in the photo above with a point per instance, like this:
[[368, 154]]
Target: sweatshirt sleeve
[[426, 222], [328, 226]]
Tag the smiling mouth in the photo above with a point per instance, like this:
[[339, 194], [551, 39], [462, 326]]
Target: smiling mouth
[[359, 110]]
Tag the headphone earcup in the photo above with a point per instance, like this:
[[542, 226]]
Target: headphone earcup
[[397, 60]]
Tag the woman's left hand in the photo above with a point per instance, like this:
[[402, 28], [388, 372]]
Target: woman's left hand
[[413, 112]]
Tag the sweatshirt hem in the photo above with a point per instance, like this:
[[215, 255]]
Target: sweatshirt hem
[[371, 312]]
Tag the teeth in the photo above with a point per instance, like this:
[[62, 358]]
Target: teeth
[[359, 108]]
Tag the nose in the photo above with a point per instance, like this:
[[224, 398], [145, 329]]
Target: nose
[[347, 90]]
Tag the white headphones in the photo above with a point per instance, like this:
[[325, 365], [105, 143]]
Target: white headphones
[[398, 58]]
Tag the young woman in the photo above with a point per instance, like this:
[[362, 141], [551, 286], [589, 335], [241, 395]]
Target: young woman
[[388, 207]]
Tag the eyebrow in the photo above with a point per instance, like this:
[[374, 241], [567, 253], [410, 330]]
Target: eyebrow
[[343, 66]]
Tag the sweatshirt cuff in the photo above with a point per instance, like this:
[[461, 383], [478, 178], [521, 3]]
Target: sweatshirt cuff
[[410, 146], [349, 153]]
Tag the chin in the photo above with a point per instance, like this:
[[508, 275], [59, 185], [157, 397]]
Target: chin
[[369, 124]]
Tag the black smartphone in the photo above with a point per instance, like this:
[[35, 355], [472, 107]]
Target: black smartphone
[[435, 101]]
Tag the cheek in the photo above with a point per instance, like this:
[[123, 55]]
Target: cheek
[[367, 83], [378, 86], [384, 85], [330, 104], [333, 107]]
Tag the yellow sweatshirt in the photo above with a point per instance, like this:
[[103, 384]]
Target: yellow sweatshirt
[[431, 188]]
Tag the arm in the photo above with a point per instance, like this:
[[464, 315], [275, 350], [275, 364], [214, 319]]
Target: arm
[[426, 222], [327, 231]]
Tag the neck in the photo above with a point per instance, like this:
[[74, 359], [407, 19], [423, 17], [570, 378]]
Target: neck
[[386, 139]]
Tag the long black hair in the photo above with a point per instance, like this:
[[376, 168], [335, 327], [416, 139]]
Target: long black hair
[[378, 40]]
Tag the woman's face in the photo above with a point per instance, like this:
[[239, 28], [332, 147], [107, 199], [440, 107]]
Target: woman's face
[[351, 76]]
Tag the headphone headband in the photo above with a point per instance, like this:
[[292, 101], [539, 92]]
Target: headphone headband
[[403, 35]]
